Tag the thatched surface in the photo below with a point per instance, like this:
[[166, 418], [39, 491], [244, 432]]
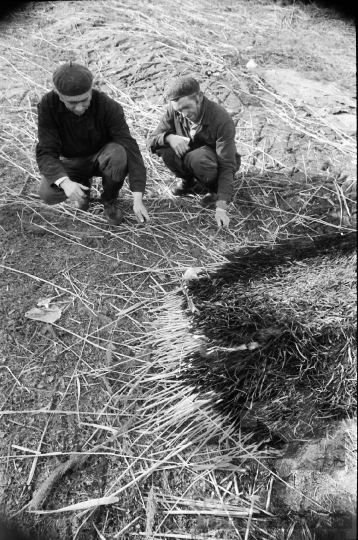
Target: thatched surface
[[293, 306]]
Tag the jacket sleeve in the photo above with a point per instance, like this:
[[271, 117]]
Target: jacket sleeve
[[226, 154], [48, 148], [119, 133], [166, 127]]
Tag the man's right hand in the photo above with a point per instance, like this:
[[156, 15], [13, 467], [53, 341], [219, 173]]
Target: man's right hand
[[73, 190], [179, 144]]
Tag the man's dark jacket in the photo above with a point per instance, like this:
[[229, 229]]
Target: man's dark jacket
[[216, 130], [62, 133]]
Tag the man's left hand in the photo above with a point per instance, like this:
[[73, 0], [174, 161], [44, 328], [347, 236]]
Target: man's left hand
[[222, 219], [139, 209]]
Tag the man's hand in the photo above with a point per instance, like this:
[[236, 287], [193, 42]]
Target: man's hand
[[222, 219], [138, 207], [73, 190], [179, 144]]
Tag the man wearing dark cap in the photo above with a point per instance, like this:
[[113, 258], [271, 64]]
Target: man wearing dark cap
[[196, 141], [83, 133]]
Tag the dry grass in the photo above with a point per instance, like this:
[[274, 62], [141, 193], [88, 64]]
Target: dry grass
[[98, 392], [268, 325]]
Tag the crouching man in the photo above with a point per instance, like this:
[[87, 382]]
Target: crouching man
[[83, 133], [196, 141]]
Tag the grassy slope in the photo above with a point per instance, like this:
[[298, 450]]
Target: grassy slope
[[96, 362]]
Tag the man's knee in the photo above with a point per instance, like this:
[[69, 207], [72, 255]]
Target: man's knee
[[204, 164], [174, 163], [114, 156], [50, 194], [167, 154]]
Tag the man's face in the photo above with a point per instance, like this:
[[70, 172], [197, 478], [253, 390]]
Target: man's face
[[189, 106], [77, 104]]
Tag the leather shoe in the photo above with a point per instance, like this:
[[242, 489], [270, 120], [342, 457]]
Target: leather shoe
[[113, 213], [209, 200], [183, 186], [83, 204]]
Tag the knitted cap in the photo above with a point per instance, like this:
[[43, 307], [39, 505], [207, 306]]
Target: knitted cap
[[184, 86], [72, 79]]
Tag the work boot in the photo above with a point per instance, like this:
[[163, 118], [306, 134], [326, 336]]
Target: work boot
[[183, 186], [113, 213], [83, 204], [209, 200]]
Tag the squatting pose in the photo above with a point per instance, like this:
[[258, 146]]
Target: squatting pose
[[196, 141], [83, 133]]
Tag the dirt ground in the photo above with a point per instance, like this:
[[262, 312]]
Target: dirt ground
[[76, 420]]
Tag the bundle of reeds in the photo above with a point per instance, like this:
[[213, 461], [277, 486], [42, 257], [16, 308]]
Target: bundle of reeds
[[276, 327]]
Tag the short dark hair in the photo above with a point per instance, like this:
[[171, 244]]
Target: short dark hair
[[182, 87]]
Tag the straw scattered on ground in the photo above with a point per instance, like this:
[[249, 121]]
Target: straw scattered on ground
[[92, 411]]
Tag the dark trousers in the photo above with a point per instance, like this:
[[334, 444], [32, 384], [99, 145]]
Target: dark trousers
[[201, 163], [110, 163]]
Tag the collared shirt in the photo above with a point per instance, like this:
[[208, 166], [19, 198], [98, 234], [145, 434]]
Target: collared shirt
[[194, 126], [61, 133], [215, 129], [193, 129]]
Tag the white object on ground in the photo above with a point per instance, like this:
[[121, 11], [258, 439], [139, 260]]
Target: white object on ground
[[86, 505], [251, 64], [192, 273], [48, 314]]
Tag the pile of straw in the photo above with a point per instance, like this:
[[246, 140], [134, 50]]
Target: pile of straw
[[277, 334]]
